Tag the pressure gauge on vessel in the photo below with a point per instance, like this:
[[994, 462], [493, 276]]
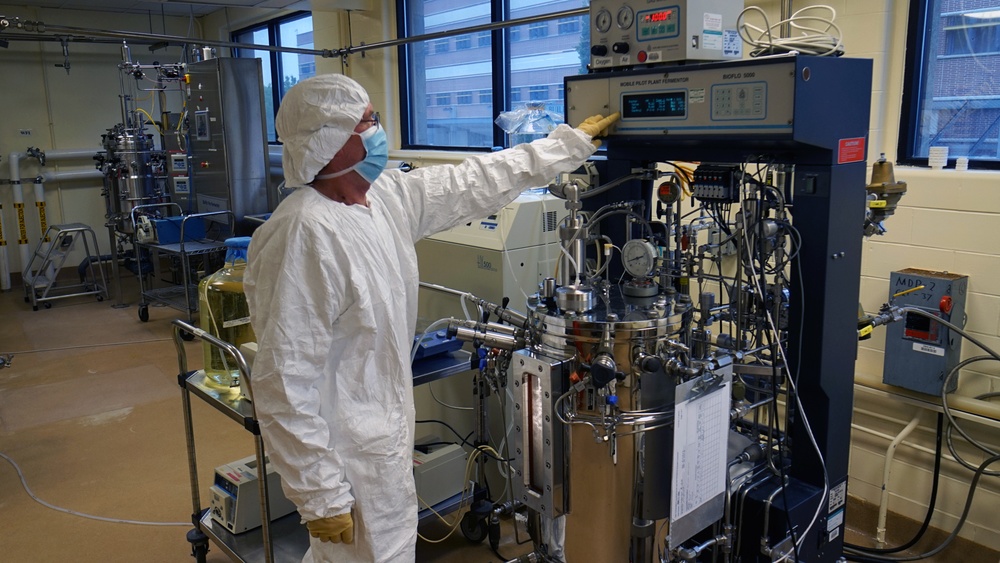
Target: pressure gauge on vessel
[[603, 21], [639, 258], [625, 17]]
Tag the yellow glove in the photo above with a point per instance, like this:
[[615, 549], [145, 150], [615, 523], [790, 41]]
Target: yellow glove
[[336, 529], [597, 126]]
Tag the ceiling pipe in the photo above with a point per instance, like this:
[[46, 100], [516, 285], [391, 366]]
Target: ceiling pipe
[[41, 27]]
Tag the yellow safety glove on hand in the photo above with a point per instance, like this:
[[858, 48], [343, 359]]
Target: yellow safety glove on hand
[[336, 529], [597, 126]]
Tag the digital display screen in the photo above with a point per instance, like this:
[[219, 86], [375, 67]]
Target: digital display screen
[[656, 104], [657, 17]]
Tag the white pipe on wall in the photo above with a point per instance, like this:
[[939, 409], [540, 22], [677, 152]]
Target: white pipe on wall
[[18, 191], [58, 154], [68, 175], [14, 164], [890, 453]]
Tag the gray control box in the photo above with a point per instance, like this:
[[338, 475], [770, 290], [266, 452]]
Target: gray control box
[[628, 33], [920, 352]]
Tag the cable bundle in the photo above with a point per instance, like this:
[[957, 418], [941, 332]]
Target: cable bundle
[[822, 40]]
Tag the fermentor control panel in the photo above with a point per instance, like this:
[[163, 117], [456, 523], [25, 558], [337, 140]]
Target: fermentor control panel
[[747, 98]]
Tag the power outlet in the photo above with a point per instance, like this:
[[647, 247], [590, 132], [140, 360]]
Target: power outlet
[[25, 132]]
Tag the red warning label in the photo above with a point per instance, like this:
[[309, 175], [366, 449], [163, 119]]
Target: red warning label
[[851, 150]]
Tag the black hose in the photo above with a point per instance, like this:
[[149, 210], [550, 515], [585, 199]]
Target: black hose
[[863, 558]]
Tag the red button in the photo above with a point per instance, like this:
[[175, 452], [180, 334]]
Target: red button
[[204, 164], [641, 56], [945, 304]]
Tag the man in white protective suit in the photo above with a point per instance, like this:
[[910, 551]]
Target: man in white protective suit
[[332, 285]]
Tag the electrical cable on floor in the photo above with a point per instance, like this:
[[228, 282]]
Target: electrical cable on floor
[[854, 555], [930, 507], [99, 345], [24, 483]]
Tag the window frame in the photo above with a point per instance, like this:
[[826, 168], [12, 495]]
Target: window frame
[[501, 41], [919, 42], [276, 64]]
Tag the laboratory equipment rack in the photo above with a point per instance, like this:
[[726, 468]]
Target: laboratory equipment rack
[[285, 539], [40, 273], [184, 295]]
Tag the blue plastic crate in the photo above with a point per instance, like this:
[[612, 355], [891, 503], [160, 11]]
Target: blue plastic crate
[[168, 231]]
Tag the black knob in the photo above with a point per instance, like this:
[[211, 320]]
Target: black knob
[[621, 48], [599, 50]]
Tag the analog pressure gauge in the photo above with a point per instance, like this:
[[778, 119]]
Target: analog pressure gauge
[[625, 17], [603, 21], [639, 258]]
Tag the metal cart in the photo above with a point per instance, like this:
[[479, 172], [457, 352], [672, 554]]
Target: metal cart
[[183, 295], [284, 539]]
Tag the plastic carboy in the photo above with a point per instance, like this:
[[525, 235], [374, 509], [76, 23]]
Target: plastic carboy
[[225, 314]]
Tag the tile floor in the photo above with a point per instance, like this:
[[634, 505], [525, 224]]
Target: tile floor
[[91, 410]]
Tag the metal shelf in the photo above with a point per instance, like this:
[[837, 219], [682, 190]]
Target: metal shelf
[[440, 367], [290, 539]]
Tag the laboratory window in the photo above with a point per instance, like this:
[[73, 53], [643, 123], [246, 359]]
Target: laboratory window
[[442, 99], [949, 96], [280, 70], [494, 70]]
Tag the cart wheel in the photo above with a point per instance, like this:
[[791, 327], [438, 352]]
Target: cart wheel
[[100, 298], [34, 307], [474, 528], [185, 335], [200, 553], [199, 545], [48, 305], [27, 299], [143, 313]]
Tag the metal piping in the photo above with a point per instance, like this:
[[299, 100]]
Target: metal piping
[[326, 53], [17, 188]]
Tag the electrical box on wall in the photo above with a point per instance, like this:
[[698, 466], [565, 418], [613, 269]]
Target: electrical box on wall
[[920, 352]]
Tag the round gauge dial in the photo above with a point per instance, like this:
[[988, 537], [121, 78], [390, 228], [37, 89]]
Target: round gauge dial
[[625, 17], [639, 258], [603, 21]]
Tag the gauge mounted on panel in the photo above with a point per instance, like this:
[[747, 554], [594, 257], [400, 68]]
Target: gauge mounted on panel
[[603, 21], [625, 17], [639, 258]]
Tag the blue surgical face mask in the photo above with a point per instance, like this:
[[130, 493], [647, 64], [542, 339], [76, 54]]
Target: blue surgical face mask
[[377, 148]]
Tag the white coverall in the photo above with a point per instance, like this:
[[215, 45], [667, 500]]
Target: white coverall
[[332, 290]]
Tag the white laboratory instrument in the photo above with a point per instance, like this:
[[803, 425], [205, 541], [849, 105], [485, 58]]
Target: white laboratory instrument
[[236, 495], [439, 473], [471, 257]]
